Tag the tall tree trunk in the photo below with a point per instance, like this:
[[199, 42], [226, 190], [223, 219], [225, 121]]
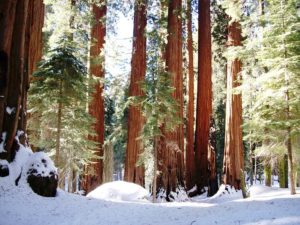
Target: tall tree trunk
[[134, 173], [287, 114], [96, 107], [15, 81], [7, 20], [17, 31], [58, 136], [190, 153], [171, 150], [58, 126], [204, 97], [233, 163]]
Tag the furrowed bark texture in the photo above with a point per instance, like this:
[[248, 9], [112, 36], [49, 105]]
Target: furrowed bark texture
[[134, 173], [204, 97], [190, 153], [233, 151], [20, 22], [171, 151], [96, 107]]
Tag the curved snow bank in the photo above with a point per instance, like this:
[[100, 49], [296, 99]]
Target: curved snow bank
[[119, 190], [225, 194]]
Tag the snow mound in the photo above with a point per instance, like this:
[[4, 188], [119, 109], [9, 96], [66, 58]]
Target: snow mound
[[39, 164], [119, 191], [225, 194]]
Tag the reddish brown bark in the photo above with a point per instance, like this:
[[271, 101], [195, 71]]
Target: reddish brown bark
[[33, 52], [36, 22], [190, 153], [171, 150], [233, 151], [16, 78], [135, 173], [96, 107], [15, 38], [204, 96], [7, 10]]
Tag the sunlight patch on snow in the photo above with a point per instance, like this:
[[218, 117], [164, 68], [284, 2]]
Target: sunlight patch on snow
[[119, 191], [226, 193]]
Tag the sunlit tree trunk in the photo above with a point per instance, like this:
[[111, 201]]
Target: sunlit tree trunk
[[204, 97], [134, 173], [171, 150], [96, 107], [190, 153], [233, 164]]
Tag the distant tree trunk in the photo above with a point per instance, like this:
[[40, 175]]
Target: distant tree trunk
[[212, 166], [96, 107], [108, 161], [58, 135], [171, 150], [204, 97], [190, 153], [283, 172], [134, 173], [58, 125], [233, 163], [268, 173]]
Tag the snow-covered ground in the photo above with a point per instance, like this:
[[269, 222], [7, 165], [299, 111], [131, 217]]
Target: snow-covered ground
[[20, 206]]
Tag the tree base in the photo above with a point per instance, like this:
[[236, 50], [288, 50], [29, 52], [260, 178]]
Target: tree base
[[42, 175], [44, 186]]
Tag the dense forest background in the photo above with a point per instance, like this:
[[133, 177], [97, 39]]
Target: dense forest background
[[202, 92]]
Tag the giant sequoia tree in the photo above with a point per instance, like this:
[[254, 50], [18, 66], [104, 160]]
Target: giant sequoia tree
[[190, 154], [171, 151], [134, 173], [20, 48], [204, 97], [21, 25], [233, 164], [96, 108]]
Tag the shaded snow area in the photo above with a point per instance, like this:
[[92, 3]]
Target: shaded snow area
[[20, 206]]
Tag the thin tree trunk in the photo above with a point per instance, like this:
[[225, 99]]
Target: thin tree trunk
[[233, 163], [58, 126], [155, 167], [287, 111], [190, 153], [204, 97], [134, 173], [96, 107]]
